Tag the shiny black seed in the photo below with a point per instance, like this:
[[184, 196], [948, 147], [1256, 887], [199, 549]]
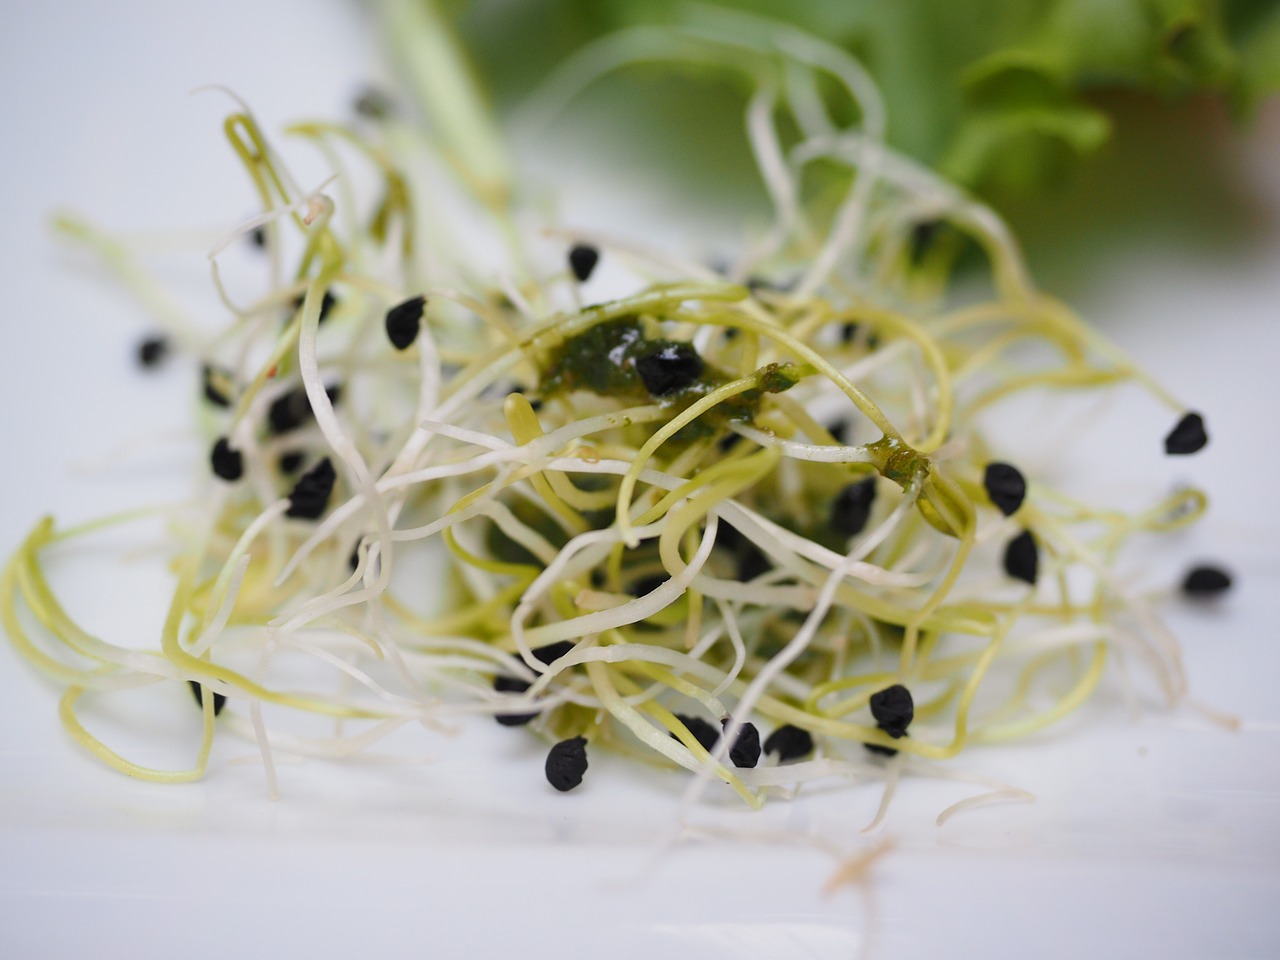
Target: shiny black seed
[[1022, 557], [1206, 581], [152, 350], [702, 731], [403, 322], [1006, 487], [893, 709], [566, 763], [789, 743], [291, 410], [669, 369], [551, 652], [839, 430], [852, 507], [847, 332], [216, 382], [583, 260], [227, 462], [1187, 436], [291, 461], [745, 751], [258, 236], [197, 691], [310, 495]]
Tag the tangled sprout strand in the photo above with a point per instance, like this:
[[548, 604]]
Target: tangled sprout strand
[[719, 508]]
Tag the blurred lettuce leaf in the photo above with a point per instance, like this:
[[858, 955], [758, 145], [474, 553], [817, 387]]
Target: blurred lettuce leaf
[[997, 94]]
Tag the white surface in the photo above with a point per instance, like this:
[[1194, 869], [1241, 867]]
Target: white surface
[[1158, 837]]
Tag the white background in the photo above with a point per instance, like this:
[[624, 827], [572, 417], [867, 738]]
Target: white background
[[1157, 836]]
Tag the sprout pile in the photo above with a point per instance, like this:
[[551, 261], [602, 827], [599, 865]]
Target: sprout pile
[[737, 505]]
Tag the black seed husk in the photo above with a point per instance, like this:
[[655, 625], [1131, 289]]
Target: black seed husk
[[669, 369], [582, 261], [702, 731], [789, 742], [893, 709], [404, 321], [566, 763], [1206, 581], [152, 351], [197, 691], [745, 751], [1006, 487], [852, 507], [227, 462], [310, 495], [1022, 557], [1187, 436]]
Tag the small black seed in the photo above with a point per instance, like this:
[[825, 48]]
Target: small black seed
[[669, 369], [646, 585], [291, 410], [728, 442], [839, 431], [789, 742], [882, 751], [597, 578], [310, 495], [566, 763], [327, 303], [197, 691], [505, 684], [583, 260], [847, 332], [291, 461], [1022, 557], [258, 236], [152, 350], [745, 751], [702, 731], [403, 322], [551, 652], [217, 383], [852, 507], [373, 104], [1006, 487], [1187, 436], [1206, 581], [227, 462], [893, 709], [923, 234]]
